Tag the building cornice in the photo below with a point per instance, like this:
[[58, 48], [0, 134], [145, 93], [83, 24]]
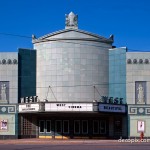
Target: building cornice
[[96, 37]]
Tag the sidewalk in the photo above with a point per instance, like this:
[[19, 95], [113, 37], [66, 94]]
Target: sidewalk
[[59, 142]]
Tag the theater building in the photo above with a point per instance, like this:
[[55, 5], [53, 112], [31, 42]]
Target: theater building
[[74, 84], [72, 73], [65, 87]]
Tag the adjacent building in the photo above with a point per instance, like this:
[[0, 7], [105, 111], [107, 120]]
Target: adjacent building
[[8, 95], [129, 78]]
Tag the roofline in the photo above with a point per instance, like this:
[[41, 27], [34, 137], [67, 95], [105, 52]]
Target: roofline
[[99, 38], [143, 52], [118, 48]]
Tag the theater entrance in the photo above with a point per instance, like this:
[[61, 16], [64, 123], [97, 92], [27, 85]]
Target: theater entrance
[[73, 128], [58, 129]]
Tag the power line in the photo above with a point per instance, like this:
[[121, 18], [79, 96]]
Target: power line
[[9, 34], [46, 40]]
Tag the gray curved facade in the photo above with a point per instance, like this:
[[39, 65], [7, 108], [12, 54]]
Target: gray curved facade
[[70, 63]]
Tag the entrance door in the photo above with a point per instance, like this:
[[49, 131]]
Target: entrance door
[[99, 128], [45, 129], [61, 129], [58, 129]]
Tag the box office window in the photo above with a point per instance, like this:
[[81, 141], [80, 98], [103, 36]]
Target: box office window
[[48, 126], [58, 126], [65, 126], [77, 126], [42, 126], [84, 126], [95, 127]]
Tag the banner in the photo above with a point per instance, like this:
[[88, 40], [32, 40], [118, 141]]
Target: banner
[[112, 108]]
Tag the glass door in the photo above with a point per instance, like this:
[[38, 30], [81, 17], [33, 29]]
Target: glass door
[[76, 127], [45, 129], [58, 128], [41, 128], [96, 127], [102, 127]]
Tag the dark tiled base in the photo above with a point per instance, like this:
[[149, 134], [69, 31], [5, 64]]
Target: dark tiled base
[[5, 137], [26, 136]]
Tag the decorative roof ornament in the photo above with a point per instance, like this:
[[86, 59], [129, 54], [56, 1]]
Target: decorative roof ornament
[[71, 21], [33, 37]]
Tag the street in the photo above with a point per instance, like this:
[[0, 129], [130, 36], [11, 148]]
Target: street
[[36, 144]]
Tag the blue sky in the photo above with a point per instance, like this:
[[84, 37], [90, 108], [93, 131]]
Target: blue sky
[[128, 20]]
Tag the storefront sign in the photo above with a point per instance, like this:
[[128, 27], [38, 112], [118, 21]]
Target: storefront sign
[[112, 108], [28, 107], [30, 99], [68, 107], [141, 126]]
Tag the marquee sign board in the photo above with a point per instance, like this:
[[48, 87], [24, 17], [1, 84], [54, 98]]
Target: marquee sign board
[[72, 107], [29, 107], [112, 108]]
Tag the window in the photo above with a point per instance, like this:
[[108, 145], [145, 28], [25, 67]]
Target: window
[[84, 126], [58, 126], [146, 61], [140, 61], [42, 126], [129, 61], [135, 61], [48, 126], [65, 126], [3, 61], [77, 126], [9, 61], [95, 127], [15, 61]]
